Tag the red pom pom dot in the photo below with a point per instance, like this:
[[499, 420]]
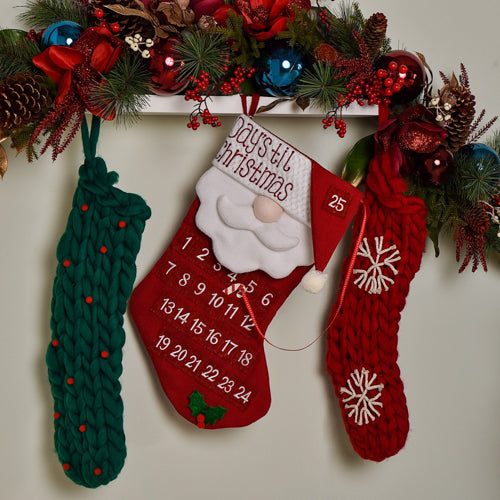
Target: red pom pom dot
[[70, 381], [122, 224], [57, 415], [99, 13], [66, 263], [85, 208], [104, 354], [103, 249], [66, 466], [55, 342], [82, 428], [97, 471], [89, 300], [393, 66], [115, 27]]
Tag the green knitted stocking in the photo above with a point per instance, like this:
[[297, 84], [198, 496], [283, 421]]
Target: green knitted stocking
[[94, 279]]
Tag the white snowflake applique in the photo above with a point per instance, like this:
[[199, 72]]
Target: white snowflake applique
[[362, 396], [373, 279]]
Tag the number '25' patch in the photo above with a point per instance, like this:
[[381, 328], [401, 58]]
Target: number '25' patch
[[337, 201]]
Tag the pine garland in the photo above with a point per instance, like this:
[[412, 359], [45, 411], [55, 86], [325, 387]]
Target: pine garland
[[346, 18], [245, 50], [202, 52], [322, 86], [124, 91], [474, 179], [40, 14], [16, 53], [302, 30]]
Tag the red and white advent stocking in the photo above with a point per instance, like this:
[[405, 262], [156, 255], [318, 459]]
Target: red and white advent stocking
[[258, 220], [362, 342]]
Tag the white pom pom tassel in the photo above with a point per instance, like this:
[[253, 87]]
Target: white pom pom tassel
[[314, 281]]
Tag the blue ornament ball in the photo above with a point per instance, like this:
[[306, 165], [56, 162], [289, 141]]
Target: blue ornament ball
[[280, 67], [482, 154], [61, 33]]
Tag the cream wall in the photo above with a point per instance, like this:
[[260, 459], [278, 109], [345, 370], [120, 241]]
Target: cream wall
[[449, 337]]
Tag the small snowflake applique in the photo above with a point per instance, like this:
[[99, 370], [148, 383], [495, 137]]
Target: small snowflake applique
[[373, 279], [362, 396]]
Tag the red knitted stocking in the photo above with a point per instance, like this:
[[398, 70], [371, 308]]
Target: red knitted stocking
[[362, 343], [202, 342]]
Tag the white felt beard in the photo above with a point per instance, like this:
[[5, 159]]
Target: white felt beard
[[245, 244]]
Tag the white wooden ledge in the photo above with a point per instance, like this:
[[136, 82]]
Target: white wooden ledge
[[231, 105]]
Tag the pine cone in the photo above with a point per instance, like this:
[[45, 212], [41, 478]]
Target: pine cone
[[374, 33], [22, 99], [129, 25], [477, 218], [462, 112]]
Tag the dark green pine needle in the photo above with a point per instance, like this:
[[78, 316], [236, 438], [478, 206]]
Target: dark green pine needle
[[321, 86], [39, 14], [125, 90], [202, 52]]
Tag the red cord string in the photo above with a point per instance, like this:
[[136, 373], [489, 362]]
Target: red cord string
[[240, 288]]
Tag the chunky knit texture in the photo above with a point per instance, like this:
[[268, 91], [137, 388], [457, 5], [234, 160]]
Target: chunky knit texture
[[362, 343], [94, 279]]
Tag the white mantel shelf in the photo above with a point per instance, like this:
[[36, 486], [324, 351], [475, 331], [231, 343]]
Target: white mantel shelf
[[231, 105]]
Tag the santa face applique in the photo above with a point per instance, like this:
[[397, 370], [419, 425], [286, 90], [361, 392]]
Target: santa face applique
[[254, 203]]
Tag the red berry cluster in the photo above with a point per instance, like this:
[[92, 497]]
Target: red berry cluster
[[200, 84], [379, 87], [393, 77], [194, 123], [207, 119], [324, 17], [114, 27], [33, 36], [233, 84], [340, 124], [369, 90]]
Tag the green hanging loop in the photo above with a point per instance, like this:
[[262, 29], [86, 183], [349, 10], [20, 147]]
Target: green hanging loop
[[90, 140]]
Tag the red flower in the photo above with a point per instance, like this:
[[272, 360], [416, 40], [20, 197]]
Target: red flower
[[205, 7], [77, 68], [413, 131], [262, 19]]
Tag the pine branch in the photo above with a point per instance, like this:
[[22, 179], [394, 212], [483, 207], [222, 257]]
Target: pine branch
[[40, 14], [322, 86], [203, 52], [245, 49], [474, 179], [124, 91], [346, 18], [16, 53], [302, 30]]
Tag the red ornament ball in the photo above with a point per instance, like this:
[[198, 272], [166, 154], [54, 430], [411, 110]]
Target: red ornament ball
[[165, 67], [411, 71], [99, 13], [115, 28]]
